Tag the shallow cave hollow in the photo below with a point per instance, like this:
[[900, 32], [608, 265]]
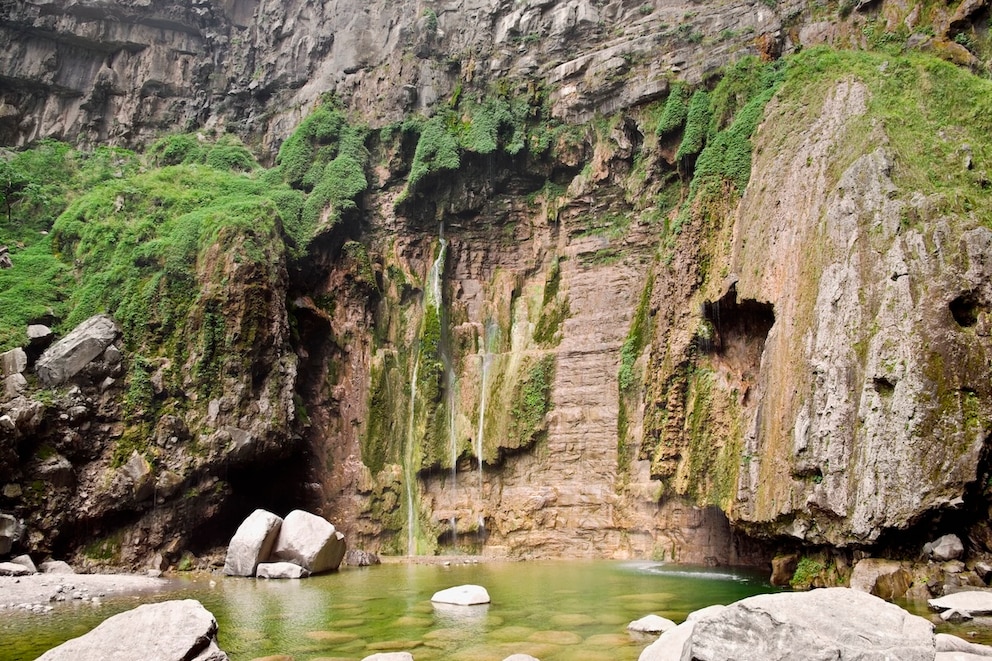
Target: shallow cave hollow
[[738, 326]]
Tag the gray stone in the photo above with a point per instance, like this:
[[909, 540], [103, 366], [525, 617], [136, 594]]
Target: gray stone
[[39, 334], [670, 645], [651, 624], [14, 361], [25, 561], [139, 472], [830, 623], [168, 631], [309, 541], [10, 532], [252, 543], [12, 490], [462, 595], [887, 579], [64, 359], [57, 470], [973, 602], [13, 569], [708, 611], [280, 570], [56, 567], [983, 570], [948, 643], [14, 385], [7, 423], [948, 547], [358, 558], [953, 615]]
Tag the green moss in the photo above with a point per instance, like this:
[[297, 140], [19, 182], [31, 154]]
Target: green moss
[[807, 570], [437, 151], [697, 125], [676, 109], [532, 402], [637, 338]]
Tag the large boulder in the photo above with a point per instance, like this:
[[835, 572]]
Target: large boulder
[[887, 579], [13, 362], [67, 357], [14, 569], [462, 595], [56, 567], [168, 631], [309, 541], [252, 543], [26, 562], [832, 623], [942, 549], [286, 570]]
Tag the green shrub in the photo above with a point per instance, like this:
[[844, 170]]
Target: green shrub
[[697, 124]]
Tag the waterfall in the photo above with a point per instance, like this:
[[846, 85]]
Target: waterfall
[[432, 297], [485, 357], [409, 474]]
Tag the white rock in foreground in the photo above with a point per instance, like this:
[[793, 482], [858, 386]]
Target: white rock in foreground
[[829, 623], [837, 624], [168, 631], [462, 595], [280, 570], [390, 656], [309, 541], [252, 543], [651, 624], [973, 602]]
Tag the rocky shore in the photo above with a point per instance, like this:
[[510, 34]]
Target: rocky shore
[[38, 592]]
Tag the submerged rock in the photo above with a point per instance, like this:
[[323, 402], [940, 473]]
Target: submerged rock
[[280, 570], [252, 543], [168, 631], [389, 656], [651, 624], [309, 541], [462, 595]]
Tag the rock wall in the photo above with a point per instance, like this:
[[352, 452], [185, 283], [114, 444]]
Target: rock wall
[[539, 353], [125, 72]]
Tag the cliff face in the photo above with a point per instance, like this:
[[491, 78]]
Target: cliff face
[[123, 72], [543, 322]]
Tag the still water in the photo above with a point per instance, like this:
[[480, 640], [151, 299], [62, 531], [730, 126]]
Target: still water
[[551, 610]]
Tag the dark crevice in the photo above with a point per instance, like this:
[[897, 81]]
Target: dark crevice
[[965, 309], [883, 386], [732, 322]]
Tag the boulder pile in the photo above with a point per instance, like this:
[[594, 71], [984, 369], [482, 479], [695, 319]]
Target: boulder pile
[[268, 546]]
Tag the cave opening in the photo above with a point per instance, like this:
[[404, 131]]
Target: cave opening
[[965, 308], [732, 337]]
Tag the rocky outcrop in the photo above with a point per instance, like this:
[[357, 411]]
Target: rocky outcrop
[[67, 357], [887, 579], [170, 631]]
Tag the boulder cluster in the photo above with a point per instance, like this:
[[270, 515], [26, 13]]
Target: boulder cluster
[[267, 546]]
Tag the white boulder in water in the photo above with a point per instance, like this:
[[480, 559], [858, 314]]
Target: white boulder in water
[[651, 624], [252, 543], [462, 595], [309, 541], [280, 570]]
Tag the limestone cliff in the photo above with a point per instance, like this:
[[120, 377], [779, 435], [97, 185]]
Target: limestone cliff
[[546, 278]]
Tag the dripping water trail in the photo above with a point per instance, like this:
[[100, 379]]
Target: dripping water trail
[[486, 356], [432, 297]]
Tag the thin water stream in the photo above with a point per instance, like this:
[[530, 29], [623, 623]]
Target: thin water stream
[[553, 610]]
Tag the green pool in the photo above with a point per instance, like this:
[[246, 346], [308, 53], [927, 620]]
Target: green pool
[[553, 610]]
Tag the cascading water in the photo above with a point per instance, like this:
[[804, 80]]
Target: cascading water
[[485, 350], [432, 298]]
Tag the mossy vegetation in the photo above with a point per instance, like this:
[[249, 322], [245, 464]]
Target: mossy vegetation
[[532, 402]]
